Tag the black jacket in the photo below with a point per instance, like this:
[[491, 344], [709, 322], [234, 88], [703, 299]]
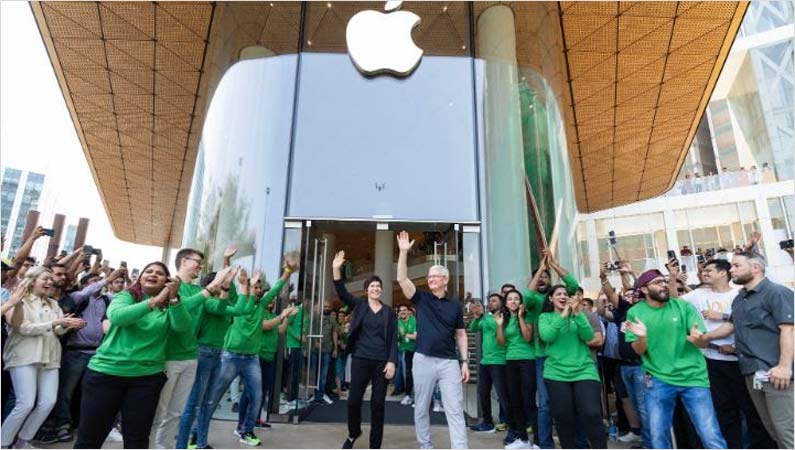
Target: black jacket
[[358, 307]]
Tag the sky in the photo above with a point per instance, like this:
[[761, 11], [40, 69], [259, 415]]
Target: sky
[[37, 134]]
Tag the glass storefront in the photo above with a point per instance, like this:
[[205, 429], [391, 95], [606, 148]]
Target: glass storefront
[[302, 154]]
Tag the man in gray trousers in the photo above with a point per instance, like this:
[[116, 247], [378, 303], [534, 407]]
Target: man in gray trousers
[[440, 327]]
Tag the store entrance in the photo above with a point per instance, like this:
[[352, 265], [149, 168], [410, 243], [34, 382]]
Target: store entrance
[[314, 373]]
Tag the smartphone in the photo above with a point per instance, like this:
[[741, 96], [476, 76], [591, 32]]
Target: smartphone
[[97, 251], [611, 235], [63, 252], [701, 259], [123, 264], [48, 232], [671, 254], [88, 249], [105, 263], [684, 268], [135, 272], [786, 244]]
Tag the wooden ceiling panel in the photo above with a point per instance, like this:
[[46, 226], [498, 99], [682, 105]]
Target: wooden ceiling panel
[[137, 78]]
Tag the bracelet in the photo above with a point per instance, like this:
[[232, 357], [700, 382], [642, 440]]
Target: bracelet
[[174, 301]]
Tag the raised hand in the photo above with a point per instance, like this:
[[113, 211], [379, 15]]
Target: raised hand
[[603, 270], [242, 277], [637, 328], [499, 319], [404, 244], [290, 265], [17, 294], [173, 287], [339, 260], [227, 279], [624, 267], [522, 311], [160, 300], [256, 278], [230, 251], [673, 267]]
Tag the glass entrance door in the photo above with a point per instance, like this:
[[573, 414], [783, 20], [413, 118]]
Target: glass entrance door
[[316, 362]]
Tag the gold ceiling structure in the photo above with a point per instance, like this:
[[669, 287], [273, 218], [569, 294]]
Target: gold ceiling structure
[[632, 80]]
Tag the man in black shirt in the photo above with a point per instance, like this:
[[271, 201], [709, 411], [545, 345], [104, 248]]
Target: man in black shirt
[[440, 328]]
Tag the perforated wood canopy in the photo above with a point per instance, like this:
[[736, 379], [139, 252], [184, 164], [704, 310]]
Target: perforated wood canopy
[[632, 80]]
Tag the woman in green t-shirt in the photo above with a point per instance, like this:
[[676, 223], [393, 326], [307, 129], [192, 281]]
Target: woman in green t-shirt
[[127, 372], [570, 374], [516, 333]]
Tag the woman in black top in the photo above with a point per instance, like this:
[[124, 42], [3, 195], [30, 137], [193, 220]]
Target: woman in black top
[[372, 342]]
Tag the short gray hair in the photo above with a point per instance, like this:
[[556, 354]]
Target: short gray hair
[[753, 258], [441, 270]]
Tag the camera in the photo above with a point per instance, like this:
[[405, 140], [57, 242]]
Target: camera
[[786, 244], [91, 250], [613, 266], [48, 232], [611, 237]]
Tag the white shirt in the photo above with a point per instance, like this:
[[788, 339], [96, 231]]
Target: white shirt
[[705, 299]]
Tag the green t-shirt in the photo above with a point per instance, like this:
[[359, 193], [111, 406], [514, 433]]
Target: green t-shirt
[[136, 342], [669, 355], [408, 326], [270, 339], [534, 304], [568, 354], [214, 325], [516, 347], [243, 335], [492, 353], [295, 328]]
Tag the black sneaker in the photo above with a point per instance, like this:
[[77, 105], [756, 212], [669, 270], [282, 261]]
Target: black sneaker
[[350, 441], [45, 438], [235, 407]]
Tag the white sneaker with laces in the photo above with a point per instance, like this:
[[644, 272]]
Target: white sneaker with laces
[[327, 399], [629, 437], [437, 406], [518, 443], [406, 400], [114, 436]]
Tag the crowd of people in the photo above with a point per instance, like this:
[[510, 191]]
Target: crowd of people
[[146, 357], [742, 176]]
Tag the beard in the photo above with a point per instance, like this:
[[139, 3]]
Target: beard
[[742, 279], [660, 296]]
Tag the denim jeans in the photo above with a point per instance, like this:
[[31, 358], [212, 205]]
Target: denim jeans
[[660, 401], [247, 367], [268, 370], [543, 435], [73, 366], [636, 387], [325, 357], [197, 406], [398, 379]]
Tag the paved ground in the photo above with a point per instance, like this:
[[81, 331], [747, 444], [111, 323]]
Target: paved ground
[[314, 435]]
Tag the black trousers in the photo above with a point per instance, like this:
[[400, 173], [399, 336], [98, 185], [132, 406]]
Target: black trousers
[[104, 396], [408, 361], [363, 372], [520, 380], [296, 356], [731, 400], [570, 401], [491, 375]]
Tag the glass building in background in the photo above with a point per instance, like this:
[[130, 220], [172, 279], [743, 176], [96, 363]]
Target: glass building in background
[[738, 175], [21, 191]]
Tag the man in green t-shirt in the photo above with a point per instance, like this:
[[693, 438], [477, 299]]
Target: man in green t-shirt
[[407, 336], [667, 334]]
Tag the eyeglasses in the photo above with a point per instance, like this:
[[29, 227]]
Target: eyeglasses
[[658, 282], [196, 260], [436, 276]]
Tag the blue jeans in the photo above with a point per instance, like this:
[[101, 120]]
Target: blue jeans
[[398, 379], [342, 359], [232, 366], [73, 366], [636, 387], [660, 403], [197, 406], [325, 358], [268, 369], [543, 435]]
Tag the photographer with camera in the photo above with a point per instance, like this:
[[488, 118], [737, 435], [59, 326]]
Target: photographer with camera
[[22, 262]]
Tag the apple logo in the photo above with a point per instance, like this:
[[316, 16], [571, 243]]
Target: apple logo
[[381, 43]]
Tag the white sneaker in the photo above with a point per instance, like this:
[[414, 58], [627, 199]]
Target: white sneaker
[[518, 443], [437, 406], [406, 400], [327, 399], [114, 436], [629, 437]]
